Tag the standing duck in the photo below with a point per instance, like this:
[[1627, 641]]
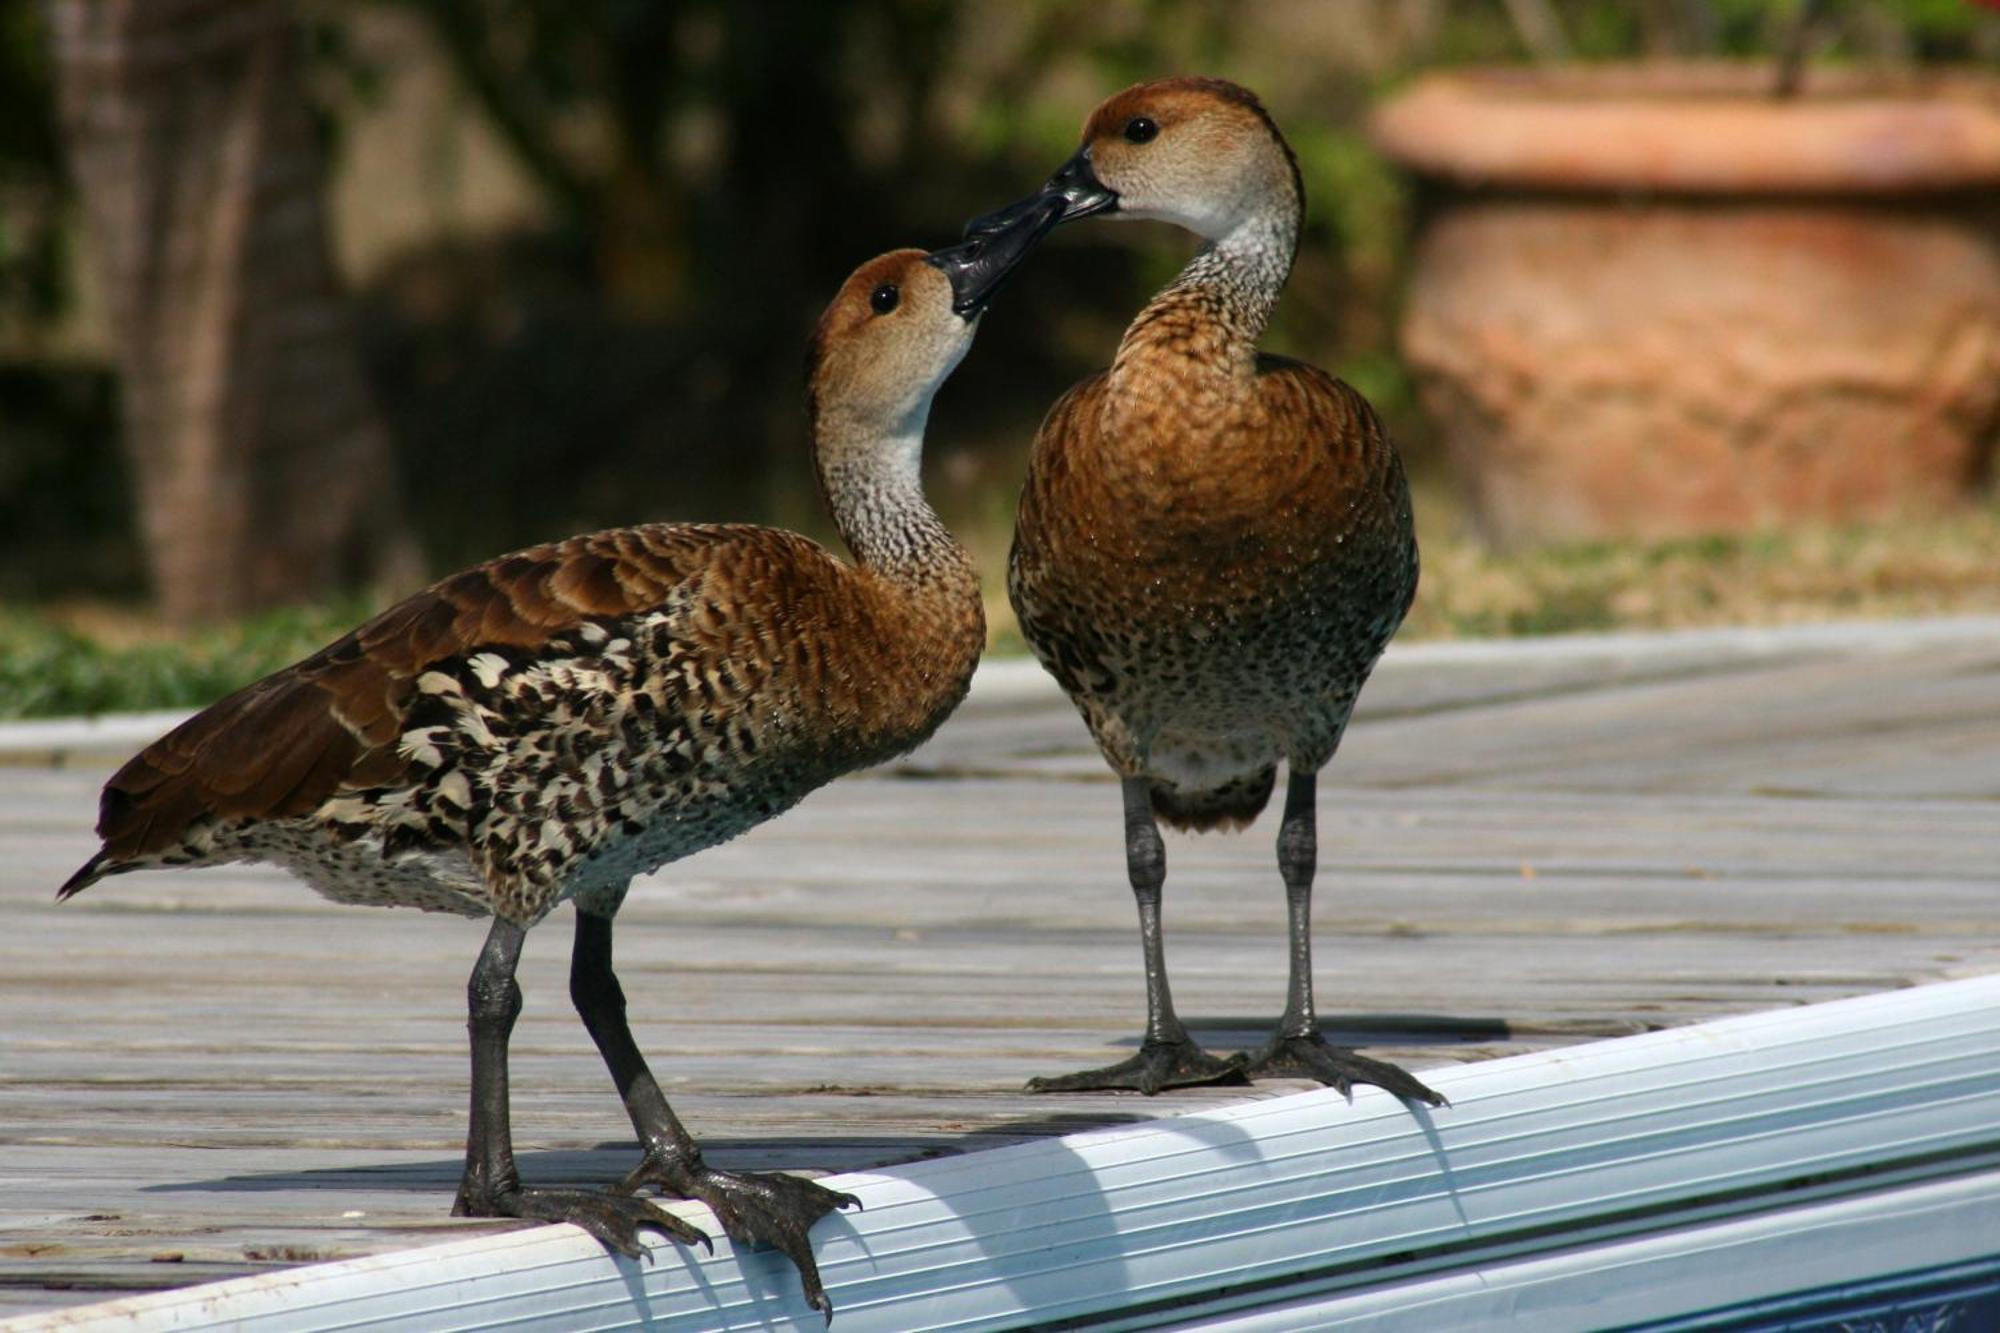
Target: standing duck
[[551, 723], [1213, 546]]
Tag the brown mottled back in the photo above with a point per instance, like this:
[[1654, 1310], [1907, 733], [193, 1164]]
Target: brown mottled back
[[279, 747]]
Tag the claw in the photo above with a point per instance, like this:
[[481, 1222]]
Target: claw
[[1159, 1064], [754, 1209], [1312, 1056]]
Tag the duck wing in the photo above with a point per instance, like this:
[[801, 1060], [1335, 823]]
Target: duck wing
[[280, 747]]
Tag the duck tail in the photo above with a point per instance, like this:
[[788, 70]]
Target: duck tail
[[89, 873], [1216, 809]]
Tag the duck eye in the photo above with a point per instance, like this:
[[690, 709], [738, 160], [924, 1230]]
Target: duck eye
[[884, 298], [1141, 129]]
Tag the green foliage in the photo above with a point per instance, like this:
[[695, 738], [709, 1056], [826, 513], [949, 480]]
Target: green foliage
[[47, 670], [709, 169], [1935, 565], [1360, 195], [1752, 29], [1382, 379]]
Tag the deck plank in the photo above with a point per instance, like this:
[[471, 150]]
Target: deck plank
[[212, 1073]]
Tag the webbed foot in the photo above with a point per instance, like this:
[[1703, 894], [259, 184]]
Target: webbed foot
[[1313, 1057], [1159, 1064], [754, 1208]]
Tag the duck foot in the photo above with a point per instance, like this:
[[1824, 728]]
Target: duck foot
[[1312, 1056], [754, 1208], [1159, 1064], [615, 1219]]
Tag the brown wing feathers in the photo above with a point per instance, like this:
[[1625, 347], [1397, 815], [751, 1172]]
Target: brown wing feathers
[[280, 747]]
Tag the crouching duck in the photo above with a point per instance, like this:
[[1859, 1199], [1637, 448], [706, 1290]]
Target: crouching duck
[[549, 724], [1213, 544]]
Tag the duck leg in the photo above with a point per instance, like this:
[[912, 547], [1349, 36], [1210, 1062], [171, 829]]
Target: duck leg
[[492, 1186], [1296, 1049], [1168, 1058], [771, 1209]]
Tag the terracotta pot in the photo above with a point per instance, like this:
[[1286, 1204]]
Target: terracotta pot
[[1653, 300]]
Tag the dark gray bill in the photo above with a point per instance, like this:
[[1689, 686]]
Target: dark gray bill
[[979, 265], [1075, 184]]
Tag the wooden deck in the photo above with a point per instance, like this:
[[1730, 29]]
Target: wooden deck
[[208, 1074]]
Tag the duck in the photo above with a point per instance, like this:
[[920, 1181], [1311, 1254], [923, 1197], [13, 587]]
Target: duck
[[548, 725], [1212, 548]]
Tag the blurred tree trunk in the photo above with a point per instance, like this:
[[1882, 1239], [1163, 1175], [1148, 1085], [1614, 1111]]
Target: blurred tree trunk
[[262, 469]]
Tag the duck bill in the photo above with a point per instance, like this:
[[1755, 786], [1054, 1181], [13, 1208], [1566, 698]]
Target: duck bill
[[1075, 186], [979, 265]]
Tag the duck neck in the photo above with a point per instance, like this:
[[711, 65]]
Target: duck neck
[[1211, 316], [873, 484]]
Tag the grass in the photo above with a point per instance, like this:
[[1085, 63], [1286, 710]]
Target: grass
[[86, 659], [1935, 566]]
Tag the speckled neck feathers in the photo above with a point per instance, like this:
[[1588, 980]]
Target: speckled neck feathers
[[1208, 320], [874, 491]]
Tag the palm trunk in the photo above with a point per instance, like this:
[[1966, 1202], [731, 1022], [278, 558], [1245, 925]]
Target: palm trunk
[[262, 469]]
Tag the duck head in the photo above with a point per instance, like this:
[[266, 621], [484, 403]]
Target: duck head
[[900, 325], [1200, 153]]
